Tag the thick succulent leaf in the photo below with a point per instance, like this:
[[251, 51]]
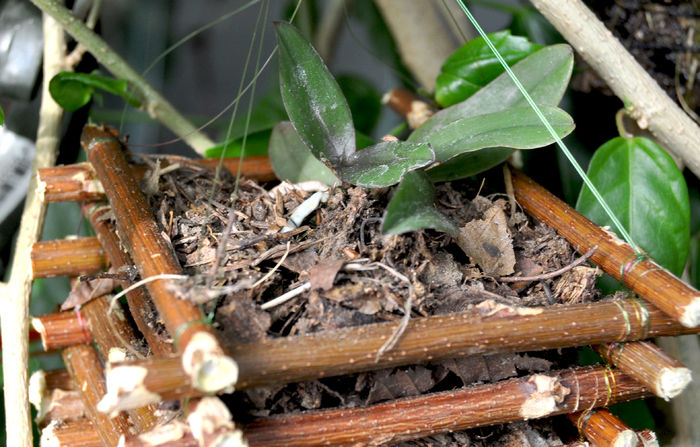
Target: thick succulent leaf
[[474, 65], [312, 98], [648, 194], [73, 90], [518, 128], [412, 207], [468, 164], [384, 164], [292, 160], [544, 74]]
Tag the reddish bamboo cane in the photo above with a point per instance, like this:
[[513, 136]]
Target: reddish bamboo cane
[[603, 429], [350, 350], [77, 182], [210, 368], [646, 362], [403, 419], [67, 257], [617, 258]]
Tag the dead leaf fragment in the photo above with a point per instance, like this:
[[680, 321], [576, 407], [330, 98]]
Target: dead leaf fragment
[[322, 275], [488, 243]]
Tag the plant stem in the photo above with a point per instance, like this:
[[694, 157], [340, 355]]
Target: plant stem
[[529, 397], [156, 106], [67, 257], [617, 258], [647, 102], [77, 433], [15, 294]]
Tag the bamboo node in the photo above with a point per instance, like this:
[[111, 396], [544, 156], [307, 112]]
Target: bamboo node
[[545, 393], [210, 369], [125, 390]]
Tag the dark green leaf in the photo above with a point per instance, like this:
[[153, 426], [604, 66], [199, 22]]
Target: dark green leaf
[[544, 74], [267, 111], [2, 117], [73, 90], [364, 102], [256, 144], [474, 65], [471, 163], [518, 128], [312, 98], [412, 207], [292, 160], [384, 164], [648, 194]]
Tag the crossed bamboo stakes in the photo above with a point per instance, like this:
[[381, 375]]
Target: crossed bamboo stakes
[[191, 365]]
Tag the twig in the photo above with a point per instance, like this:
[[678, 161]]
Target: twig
[[15, 295], [617, 258], [85, 367], [489, 329], [78, 433], [529, 397], [140, 305], [67, 257], [78, 182], [211, 369], [603, 429], [156, 106], [407, 104], [652, 367], [553, 274], [648, 103], [286, 296]]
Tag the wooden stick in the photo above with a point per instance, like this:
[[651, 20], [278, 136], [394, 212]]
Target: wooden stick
[[603, 429], [75, 433], [77, 182], [642, 96], [617, 258], [67, 257], [529, 397], [345, 351], [53, 395], [647, 438], [62, 329], [204, 360], [140, 304], [646, 362], [409, 105], [85, 367]]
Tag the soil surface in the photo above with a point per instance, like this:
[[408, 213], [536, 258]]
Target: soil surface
[[241, 259]]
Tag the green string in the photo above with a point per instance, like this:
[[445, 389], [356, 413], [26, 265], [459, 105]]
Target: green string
[[546, 123]]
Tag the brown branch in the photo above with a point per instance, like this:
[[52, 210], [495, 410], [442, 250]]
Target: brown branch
[[61, 329], [140, 305], [407, 104], [67, 257], [617, 258], [646, 362], [553, 274], [602, 428], [85, 367], [77, 433], [647, 438], [345, 351], [529, 397], [54, 397], [204, 360], [77, 182]]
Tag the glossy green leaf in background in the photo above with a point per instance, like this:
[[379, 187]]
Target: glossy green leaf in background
[[544, 74], [256, 144], [518, 128], [2, 117], [412, 207], [313, 100], [73, 90], [364, 101], [292, 160], [474, 65], [385, 164], [648, 194]]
